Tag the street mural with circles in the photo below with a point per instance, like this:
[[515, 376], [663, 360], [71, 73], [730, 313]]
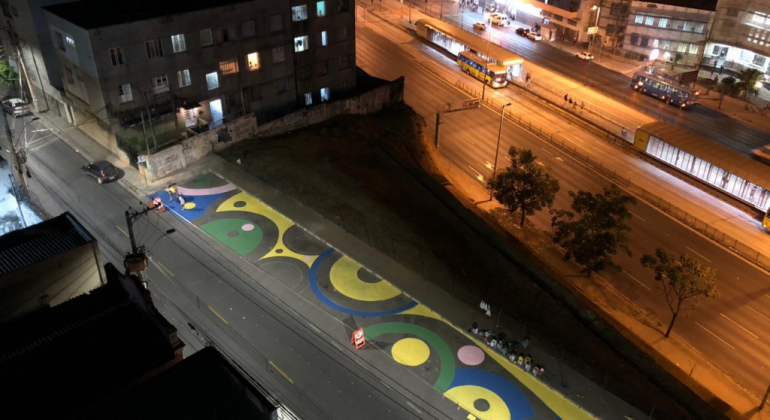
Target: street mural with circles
[[443, 356]]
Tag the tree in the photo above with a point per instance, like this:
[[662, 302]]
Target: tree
[[726, 86], [750, 82], [595, 229], [7, 74], [525, 185], [681, 280]]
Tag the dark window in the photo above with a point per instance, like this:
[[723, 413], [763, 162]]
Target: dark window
[[343, 6], [59, 40], [116, 56], [634, 39], [732, 12], [645, 41]]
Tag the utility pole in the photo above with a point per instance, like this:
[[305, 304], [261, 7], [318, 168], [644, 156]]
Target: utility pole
[[14, 156], [764, 400], [438, 125], [136, 260]]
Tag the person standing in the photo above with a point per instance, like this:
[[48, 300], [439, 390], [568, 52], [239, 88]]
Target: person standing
[[181, 202]]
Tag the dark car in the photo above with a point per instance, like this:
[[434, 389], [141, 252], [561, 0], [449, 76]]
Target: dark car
[[522, 31], [102, 171]]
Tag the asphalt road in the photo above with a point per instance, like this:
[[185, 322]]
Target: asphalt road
[[230, 303], [701, 120], [729, 332]]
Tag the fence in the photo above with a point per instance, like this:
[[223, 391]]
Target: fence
[[668, 207]]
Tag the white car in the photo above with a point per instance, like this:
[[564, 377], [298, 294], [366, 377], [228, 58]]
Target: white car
[[16, 107], [534, 36], [584, 56], [500, 20]]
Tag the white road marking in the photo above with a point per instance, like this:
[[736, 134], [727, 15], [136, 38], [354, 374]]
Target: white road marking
[[717, 337], [540, 163], [578, 139], [693, 251], [546, 150], [637, 216], [478, 175], [488, 165], [634, 278], [755, 311], [739, 325], [559, 159]]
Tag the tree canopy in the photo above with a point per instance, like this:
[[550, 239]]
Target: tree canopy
[[7, 74]]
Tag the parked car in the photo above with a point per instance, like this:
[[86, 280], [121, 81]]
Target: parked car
[[534, 36], [500, 19], [480, 26], [16, 107], [102, 171], [522, 31], [584, 56]]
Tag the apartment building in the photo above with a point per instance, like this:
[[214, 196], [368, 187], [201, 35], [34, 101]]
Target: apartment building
[[740, 38], [567, 20], [673, 31], [141, 74]]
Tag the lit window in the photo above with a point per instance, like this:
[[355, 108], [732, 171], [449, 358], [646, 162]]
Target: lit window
[[299, 13], [320, 9], [655, 43], [125, 93], [160, 84], [248, 29], [206, 37], [649, 20], [308, 99], [301, 43], [212, 81], [323, 38], [177, 43], [183, 77], [116, 56], [228, 66], [70, 41], [325, 94], [279, 56], [662, 23], [687, 26], [639, 18], [153, 48], [252, 61]]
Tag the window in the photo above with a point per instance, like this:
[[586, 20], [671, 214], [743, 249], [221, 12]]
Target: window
[[59, 40], [325, 94], [183, 77], [279, 56], [700, 27], [343, 6], [70, 40], [639, 18], [645, 41], [281, 86], [694, 48], [649, 20], [177, 43], [687, 26], [323, 39], [228, 66], [301, 44], [252, 61], [308, 99], [70, 79], [344, 61], [323, 67], [342, 33], [124, 91], [666, 45], [320, 9], [634, 39], [662, 23], [226, 35], [154, 48], [116, 56], [276, 23], [248, 29], [745, 56], [298, 13], [159, 84], [206, 38], [759, 60], [655, 43], [732, 12], [212, 81]]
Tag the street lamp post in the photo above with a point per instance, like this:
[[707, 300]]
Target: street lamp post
[[593, 38], [497, 148], [486, 63]]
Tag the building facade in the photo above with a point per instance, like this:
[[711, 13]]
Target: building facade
[[741, 36], [674, 31], [141, 75], [566, 20]]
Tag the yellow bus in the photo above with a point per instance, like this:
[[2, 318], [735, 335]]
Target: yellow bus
[[475, 66], [766, 220]]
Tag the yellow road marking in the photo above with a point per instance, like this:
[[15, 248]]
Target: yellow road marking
[[281, 372], [217, 314], [163, 267], [121, 231]]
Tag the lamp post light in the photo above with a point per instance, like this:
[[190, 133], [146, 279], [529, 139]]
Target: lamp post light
[[593, 38], [499, 136]]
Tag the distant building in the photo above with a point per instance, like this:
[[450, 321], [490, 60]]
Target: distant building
[[673, 31], [46, 264], [741, 36], [156, 70], [567, 20]]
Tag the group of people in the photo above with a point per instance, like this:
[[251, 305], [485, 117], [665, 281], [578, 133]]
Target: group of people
[[172, 191], [574, 103], [508, 349]]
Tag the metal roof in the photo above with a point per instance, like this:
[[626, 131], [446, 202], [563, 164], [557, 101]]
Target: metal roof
[[28, 246], [474, 42], [734, 163]]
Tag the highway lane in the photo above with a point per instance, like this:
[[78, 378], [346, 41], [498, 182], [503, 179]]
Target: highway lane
[[703, 121], [233, 304], [468, 139]]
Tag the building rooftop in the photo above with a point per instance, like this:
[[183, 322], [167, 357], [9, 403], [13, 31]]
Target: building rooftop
[[710, 5], [91, 14], [28, 246]]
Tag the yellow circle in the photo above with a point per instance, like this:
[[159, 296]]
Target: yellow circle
[[188, 206], [466, 395], [410, 352]]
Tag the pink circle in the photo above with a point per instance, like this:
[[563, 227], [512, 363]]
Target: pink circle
[[470, 355], [247, 227]]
